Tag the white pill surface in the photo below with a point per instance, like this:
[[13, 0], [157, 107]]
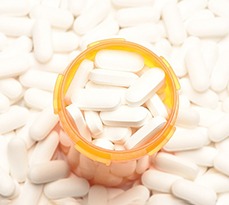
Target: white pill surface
[[94, 122], [145, 87], [193, 193], [7, 186], [158, 181], [110, 77], [158, 199], [123, 169], [97, 195], [69, 187], [79, 120], [131, 3], [220, 163], [18, 159], [4, 103], [119, 60], [103, 143], [42, 42], [144, 133], [156, 106], [125, 116], [175, 165], [12, 119], [173, 23], [48, 171], [97, 100], [44, 123]]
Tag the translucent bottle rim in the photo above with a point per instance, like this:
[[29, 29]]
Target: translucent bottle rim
[[103, 155]]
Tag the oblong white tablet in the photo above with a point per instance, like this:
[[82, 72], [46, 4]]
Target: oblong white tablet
[[103, 143], [145, 87], [96, 100], [193, 193], [110, 77], [7, 186], [145, 132], [119, 60], [221, 163], [97, 195], [125, 116], [94, 122]]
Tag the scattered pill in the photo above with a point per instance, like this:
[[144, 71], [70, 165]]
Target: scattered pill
[[7, 186], [97, 195], [220, 163], [94, 122]]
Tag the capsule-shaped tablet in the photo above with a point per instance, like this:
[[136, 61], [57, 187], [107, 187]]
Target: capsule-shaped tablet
[[5, 103], [48, 171], [115, 78], [96, 100], [220, 163], [125, 116], [119, 60], [43, 125], [194, 193], [144, 133], [158, 199], [94, 122], [103, 143], [17, 156], [188, 118], [223, 198], [68, 187], [42, 41], [76, 6], [7, 186], [173, 23], [158, 181], [97, 195], [131, 3], [175, 165], [12, 119], [79, 120], [145, 87], [39, 79], [219, 7]]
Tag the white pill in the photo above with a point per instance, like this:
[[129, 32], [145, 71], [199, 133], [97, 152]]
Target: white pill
[[30, 193], [163, 48], [4, 162], [158, 199], [97, 195], [127, 17], [143, 164], [73, 157], [183, 139], [136, 194], [59, 18], [80, 123], [184, 102], [202, 157], [156, 106], [207, 28], [188, 118], [69, 187], [215, 180], [80, 78], [43, 125], [94, 122], [219, 7], [110, 77], [4, 103], [208, 99], [123, 169], [64, 41], [143, 134], [14, 65], [12, 119], [125, 116], [150, 32], [113, 192], [175, 165], [117, 135], [87, 167], [103, 143], [76, 6], [91, 16], [221, 163], [7, 186], [145, 87], [9, 26], [18, 8], [193, 193], [220, 130], [17, 156], [48, 171], [131, 3], [97, 100], [199, 78], [158, 181], [222, 146], [44, 149], [38, 99], [3, 41], [119, 60], [39, 79], [223, 199], [173, 23], [225, 105], [42, 40]]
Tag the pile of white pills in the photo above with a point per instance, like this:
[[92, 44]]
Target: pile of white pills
[[38, 162], [114, 100]]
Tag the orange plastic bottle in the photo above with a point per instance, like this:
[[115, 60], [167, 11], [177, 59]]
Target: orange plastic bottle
[[107, 167]]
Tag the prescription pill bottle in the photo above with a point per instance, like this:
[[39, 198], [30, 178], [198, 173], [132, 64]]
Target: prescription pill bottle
[[108, 167]]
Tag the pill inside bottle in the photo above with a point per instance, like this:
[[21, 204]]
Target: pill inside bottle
[[117, 102]]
